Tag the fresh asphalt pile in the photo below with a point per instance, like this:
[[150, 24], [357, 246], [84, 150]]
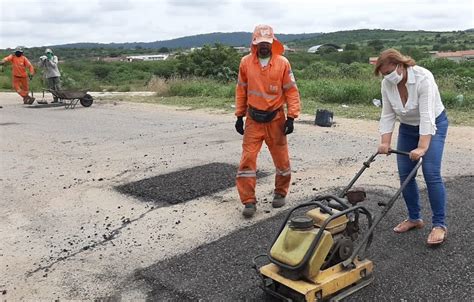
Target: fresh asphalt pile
[[405, 268], [184, 185]]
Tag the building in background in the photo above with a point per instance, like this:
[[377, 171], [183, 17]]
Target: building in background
[[242, 49], [315, 49], [458, 56], [159, 57], [373, 60]]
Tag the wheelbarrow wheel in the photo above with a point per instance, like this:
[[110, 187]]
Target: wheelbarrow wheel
[[86, 100]]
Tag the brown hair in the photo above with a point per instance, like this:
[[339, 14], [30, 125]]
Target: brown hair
[[392, 56]]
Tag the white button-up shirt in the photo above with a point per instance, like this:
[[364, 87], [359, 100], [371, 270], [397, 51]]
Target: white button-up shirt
[[422, 107]]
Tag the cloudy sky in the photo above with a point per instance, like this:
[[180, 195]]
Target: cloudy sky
[[49, 22]]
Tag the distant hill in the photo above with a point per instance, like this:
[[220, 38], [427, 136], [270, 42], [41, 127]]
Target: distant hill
[[231, 39], [421, 40], [394, 37]]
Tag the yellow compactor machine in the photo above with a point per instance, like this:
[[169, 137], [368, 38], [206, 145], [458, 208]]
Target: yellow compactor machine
[[319, 251]]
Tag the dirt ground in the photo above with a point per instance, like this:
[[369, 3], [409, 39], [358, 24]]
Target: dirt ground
[[67, 232]]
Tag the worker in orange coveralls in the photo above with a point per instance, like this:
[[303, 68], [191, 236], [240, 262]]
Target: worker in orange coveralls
[[265, 84], [19, 76]]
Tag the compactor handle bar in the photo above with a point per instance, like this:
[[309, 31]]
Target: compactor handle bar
[[367, 165], [349, 262], [398, 152]]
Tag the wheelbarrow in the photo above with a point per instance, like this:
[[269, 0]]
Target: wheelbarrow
[[70, 98]]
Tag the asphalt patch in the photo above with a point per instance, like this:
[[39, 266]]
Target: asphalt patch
[[184, 185], [405, 268]]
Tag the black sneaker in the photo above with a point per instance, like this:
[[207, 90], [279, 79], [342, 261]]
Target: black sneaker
[[278, 200], [249, 210]]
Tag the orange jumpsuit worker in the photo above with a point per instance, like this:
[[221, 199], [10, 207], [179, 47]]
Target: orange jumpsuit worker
[[265, 84], [19, 76]]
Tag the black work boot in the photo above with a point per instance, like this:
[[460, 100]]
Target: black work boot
[[249, 210], [278, 200]]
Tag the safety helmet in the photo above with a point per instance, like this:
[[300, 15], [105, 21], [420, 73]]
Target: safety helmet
[[264, 33]]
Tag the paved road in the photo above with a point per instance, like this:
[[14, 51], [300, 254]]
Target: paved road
[[93, 199], [405, 268]]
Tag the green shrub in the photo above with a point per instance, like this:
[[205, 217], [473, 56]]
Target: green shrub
[[220, 62], [452, 99], [125, 88], [342, 91]]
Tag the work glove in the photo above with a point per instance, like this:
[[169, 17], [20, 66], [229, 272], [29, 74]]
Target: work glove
[[239, 125], [289, 126], [30, 77]]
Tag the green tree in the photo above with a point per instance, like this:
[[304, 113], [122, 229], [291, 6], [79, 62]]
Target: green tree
[[219, 62], [414, 52], [351, 46], [377, 45]]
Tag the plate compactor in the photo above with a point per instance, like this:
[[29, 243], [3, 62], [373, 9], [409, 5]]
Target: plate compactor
[[319, 255]]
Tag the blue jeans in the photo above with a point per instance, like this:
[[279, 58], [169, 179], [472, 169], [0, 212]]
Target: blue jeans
[[408, 140]]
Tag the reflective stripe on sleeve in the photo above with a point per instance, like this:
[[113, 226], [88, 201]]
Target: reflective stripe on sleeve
[[289, 85]]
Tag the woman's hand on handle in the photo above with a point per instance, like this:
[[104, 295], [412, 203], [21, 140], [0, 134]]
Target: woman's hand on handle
[[415, 154], [383, 148], [385, 141]]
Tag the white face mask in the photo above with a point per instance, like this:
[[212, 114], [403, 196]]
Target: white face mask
[[394, 77]]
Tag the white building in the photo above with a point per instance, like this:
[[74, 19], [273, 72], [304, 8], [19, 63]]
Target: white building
[[314, 49], [159, 57]]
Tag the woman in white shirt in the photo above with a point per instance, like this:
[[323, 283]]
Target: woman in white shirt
[[410, 93]]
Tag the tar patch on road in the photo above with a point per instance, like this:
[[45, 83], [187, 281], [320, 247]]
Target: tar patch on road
[[405, 268], [184, 185]]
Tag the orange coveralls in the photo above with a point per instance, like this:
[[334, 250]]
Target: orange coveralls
[[265, 88], [19, 75]]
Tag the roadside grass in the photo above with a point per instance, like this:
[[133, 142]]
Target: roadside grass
[[457, 116]]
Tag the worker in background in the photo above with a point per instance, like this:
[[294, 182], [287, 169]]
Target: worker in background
[[49, 63], [265, 84], [19, 76]]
